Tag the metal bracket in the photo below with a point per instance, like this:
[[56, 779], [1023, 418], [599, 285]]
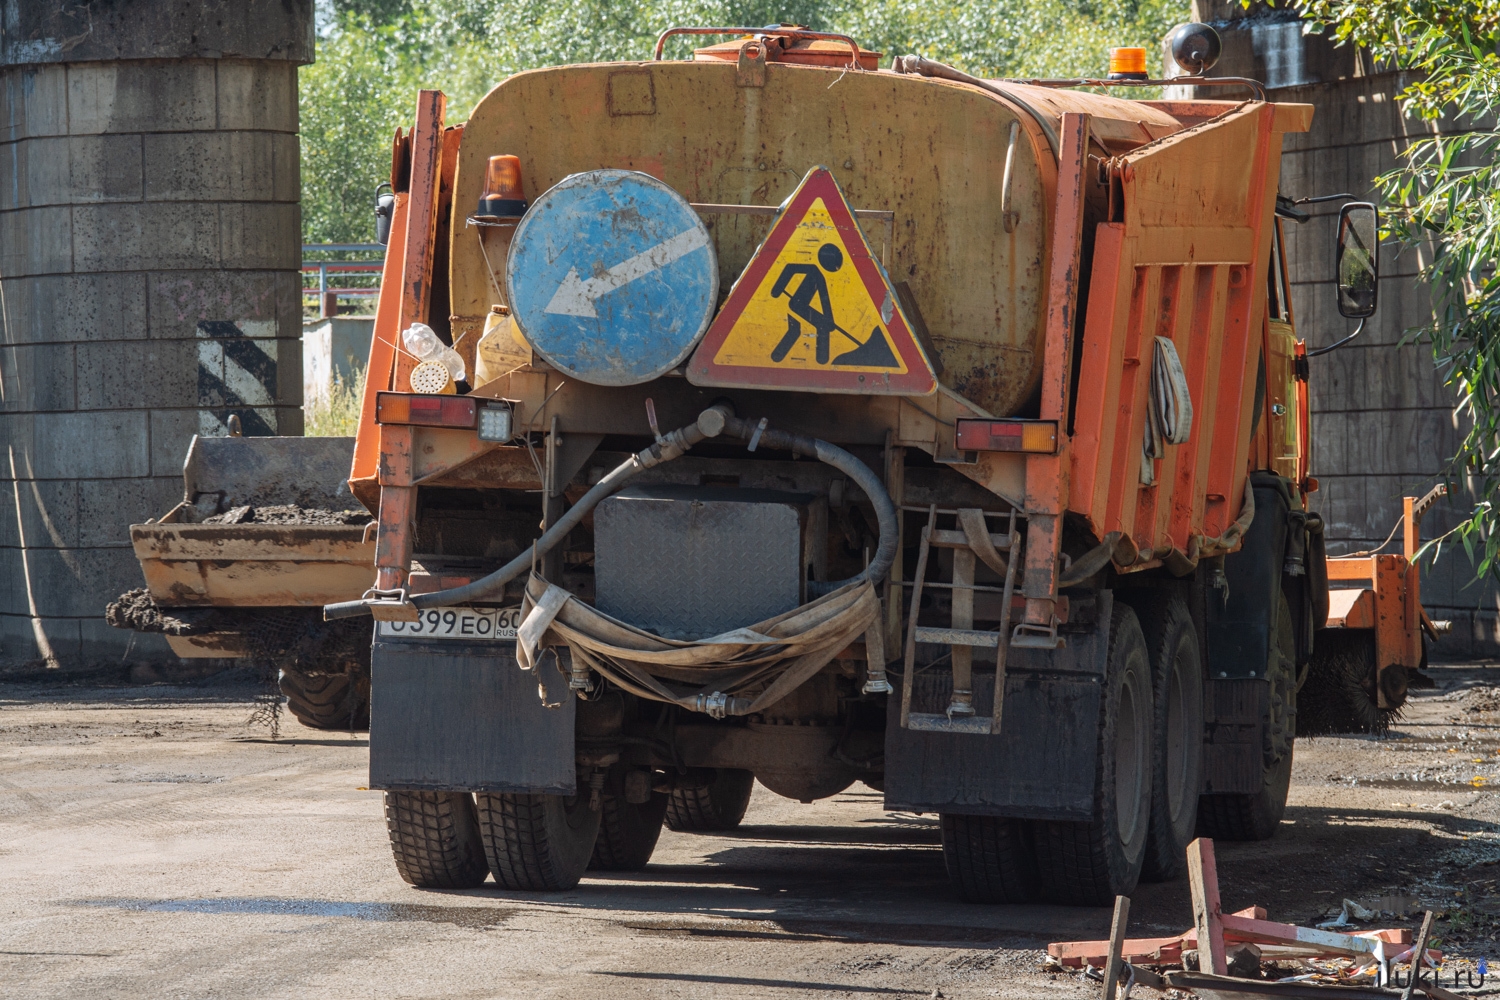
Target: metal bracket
[[931, 722], [1027, 636], [750, 70], [391, 605]]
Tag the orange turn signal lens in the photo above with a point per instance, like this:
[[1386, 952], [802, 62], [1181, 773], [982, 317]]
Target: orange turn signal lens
[[425, 411], [1127, 63], [1035, 436]]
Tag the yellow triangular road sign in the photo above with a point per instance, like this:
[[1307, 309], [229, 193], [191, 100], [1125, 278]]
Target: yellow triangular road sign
[[813, 310]]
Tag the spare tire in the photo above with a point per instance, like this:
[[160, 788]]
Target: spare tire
[[331, 700]]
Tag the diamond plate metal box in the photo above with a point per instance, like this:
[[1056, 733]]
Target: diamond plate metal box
[[688, 562]]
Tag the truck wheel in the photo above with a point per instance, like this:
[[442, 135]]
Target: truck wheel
[[540, 843], [1258, 815], [628, 833], [1089, 864], [328, 700], [435, 839], [719, 805], [989, 859], [1177, 771]]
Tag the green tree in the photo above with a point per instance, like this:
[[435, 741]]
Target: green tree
[[1443, 203]]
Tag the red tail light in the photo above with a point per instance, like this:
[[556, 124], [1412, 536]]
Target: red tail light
[[1036, 436], [425, 411]]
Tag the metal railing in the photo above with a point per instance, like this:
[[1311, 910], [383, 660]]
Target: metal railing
[[354, 278]]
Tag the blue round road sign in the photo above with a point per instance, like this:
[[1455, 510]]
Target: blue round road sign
[[612, 277]]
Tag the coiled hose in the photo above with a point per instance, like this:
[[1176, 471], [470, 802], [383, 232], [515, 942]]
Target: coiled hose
[[712, 422]]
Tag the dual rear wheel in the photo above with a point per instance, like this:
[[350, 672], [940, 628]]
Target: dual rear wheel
[[544, 843], [1145, 790]]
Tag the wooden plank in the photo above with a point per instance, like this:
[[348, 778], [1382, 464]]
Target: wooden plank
[[1136, 951], [1238, 928], [1116, 942], [1419, 952], [1203, 880]]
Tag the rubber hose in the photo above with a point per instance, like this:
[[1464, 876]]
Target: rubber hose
[[864, 478], [711, 422], [922, 66]]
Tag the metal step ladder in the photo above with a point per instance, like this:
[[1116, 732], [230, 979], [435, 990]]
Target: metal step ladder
[[970, 542]]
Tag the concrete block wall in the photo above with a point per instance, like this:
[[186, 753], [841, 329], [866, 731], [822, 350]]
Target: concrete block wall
[[149, 287], [1383, 422]]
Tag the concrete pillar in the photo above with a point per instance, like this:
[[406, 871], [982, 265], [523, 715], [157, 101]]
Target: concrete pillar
[[149, 255], [1383, 424]]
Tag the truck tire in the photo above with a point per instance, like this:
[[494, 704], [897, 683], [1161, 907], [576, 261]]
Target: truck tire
[[1090, 863], [328, 700], [537, 843], [435, 839], [628, 833], [1257, 816], [989, 859], [1177, 771], [719, 805]]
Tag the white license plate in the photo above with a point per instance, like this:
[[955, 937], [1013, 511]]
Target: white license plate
[[456, 623]]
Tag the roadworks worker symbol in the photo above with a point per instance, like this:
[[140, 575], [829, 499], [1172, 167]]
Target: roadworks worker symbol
[[813, 310]]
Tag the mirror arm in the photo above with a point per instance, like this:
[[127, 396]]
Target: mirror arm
[[1335, 346]]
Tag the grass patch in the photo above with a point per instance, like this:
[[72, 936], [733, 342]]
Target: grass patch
[[336, 412]]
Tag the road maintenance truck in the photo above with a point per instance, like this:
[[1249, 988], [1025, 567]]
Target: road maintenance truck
[[767, 415]]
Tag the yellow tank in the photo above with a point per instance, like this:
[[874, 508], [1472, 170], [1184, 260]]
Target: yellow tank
[[931, 152]]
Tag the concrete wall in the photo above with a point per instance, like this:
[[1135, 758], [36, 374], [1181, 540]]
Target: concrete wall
[[333, 347], [149, 254], [1383, 424]]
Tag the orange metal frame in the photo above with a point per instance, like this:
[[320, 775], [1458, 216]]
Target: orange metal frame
[[383, 453], [1204, 290], [1392, 603]]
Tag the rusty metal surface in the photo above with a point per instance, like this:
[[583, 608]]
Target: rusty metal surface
[[301, 471], [250, 565], [979, 288]]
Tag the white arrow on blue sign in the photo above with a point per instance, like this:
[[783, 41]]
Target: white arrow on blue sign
[[612, 277]]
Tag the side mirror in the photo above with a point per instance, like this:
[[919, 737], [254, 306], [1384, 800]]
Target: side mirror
[[1357, 259], [385, 208]]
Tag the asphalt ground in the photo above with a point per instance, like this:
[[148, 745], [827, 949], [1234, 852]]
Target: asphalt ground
[[152, 844]]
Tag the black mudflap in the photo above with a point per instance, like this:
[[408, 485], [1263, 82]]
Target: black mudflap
[[462, 716], [1041, 765]]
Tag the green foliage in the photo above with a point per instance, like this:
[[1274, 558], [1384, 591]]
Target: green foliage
[[336, 412], [1443, 202], [373, 56]]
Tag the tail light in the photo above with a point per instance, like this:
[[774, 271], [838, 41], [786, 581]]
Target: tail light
[[1035, 436], [425, 411]]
